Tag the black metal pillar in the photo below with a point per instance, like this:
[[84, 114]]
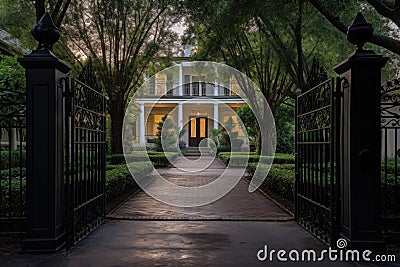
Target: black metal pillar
[[361, 141], [45, 154]]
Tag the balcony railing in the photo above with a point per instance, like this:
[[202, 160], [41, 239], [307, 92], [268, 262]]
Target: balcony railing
[[193, 89]]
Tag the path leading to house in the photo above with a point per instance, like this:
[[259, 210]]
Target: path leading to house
[[239, 204], [228, 232]]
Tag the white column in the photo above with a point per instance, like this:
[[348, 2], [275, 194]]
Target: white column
[[216, 114], [12, 138], [216, 82], [142, 129], [180, 116], [180, 80]]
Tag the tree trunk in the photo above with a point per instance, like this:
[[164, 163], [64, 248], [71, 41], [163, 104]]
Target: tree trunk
[[117, 113]]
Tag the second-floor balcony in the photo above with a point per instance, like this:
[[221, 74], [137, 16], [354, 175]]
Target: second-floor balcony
[[192, 79], [195, 89]]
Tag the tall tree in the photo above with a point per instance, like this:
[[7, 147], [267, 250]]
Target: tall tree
[[17, 18], [270, 42], [237, 40], [57, 9], [122, 37], [389, 10], [266, 40]]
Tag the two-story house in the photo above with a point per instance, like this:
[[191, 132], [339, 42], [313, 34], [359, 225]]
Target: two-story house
[[195, 98]]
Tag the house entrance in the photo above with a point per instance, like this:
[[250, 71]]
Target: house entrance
[[198, 128]]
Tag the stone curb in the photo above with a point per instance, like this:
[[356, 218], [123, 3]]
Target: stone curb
[[175, 218]]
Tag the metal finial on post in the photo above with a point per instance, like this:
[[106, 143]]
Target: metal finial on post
[[45, 32], [360, 31]]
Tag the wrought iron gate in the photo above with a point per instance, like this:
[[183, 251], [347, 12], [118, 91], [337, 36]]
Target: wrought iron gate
[[12, 159], [84, 160], [317, 183], [390, 172]]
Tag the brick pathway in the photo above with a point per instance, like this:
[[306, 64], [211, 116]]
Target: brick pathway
[[238, 204]]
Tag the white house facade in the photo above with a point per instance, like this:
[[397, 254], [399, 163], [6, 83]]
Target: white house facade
[[194, 103]]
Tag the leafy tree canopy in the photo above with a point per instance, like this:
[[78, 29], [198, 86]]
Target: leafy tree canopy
[[11, 72]]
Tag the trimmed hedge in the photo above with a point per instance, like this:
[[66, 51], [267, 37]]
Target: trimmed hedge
[[119, 179], [238, 159], [158, 159], [280, 179], [16, 159], [13, 202]]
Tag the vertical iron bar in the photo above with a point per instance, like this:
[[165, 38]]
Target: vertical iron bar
[[21, 206], [309, 153], [331, 161], [395, 168], [9, 170], [81, 166], [90, 173], [311, 146], [321, 167], [386, 178], [103, 155], [297, 155], [1, 176]]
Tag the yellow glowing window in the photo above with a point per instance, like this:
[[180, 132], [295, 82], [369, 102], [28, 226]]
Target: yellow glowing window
[[193, 128], [202, 127]]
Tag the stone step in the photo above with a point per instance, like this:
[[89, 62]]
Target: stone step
[[195, 151]]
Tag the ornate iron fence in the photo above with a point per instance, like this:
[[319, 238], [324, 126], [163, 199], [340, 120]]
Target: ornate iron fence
[[317, 185], [12, 159], [390, 167], [85, 160]]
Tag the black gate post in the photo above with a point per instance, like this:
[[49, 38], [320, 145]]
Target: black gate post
[[360, 162], [45, 174]]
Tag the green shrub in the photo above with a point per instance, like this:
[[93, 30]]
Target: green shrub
[[17, 159], [13, 201], [238, 159], [15, 173], [280, 181], [159, 159], [284, 159], [117, 159], [119, 179], [390, 166], [280, 178]]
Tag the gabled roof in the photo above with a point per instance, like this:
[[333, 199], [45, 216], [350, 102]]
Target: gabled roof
[[10, 45]]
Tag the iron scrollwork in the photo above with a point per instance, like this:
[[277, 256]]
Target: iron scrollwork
[[390, 103]]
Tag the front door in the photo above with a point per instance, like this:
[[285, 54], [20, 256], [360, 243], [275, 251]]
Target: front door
[[198, 128]]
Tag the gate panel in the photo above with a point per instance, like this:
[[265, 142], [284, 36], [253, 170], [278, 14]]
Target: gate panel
[[12, 159], [316, 191], [85, 160], [390, 174]]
